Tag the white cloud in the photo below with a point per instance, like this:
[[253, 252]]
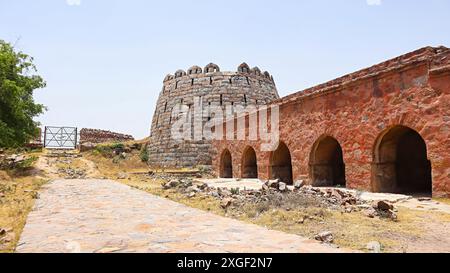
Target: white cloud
[[374, 2], [73, 2]]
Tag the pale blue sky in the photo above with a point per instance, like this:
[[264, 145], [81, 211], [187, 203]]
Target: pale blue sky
[[104, 60]]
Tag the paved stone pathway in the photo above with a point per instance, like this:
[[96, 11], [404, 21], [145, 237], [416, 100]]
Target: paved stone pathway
[[105, 216]]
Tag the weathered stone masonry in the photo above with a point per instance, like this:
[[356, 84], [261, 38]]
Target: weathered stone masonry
[[244, 87], [384, 129]]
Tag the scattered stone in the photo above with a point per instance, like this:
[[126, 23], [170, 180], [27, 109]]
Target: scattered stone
[[223, 192], [87, 146], [383, 205], [371, 213], [273, 184], [424, 199], [192, 194], [282, 187], [325, 237], [374, 247], [226, 203], [299, 184], [171, 184], [348, 209], [392, 215]]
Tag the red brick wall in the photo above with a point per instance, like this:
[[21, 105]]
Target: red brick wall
[[412, 90]]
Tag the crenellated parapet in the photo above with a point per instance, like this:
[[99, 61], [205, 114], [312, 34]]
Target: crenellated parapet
[[213, 70]]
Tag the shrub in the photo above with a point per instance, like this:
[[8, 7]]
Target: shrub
[[144, 154]]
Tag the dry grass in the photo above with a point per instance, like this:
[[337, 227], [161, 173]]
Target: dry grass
[[110, 167], [18, 200]]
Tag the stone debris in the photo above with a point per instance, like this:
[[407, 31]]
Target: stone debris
[[258, 88], [383, 205], [6, 235], [226, 203], [71, 173], [275, 193], [171, 184], [282, 187], [325, 237]]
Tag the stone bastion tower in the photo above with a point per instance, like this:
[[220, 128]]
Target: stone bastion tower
[[208, 87]]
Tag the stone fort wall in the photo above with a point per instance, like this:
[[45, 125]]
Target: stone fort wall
[[384, 129], [214, 88]]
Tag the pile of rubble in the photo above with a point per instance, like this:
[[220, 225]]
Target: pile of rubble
[[101, 136], [275, 193], [71, 173]]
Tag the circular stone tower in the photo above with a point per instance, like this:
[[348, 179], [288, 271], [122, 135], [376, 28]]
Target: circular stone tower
[[212, 87]]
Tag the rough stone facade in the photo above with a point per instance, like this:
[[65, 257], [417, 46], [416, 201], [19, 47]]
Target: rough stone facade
[[212, 88], [102, 136], [383, 129]]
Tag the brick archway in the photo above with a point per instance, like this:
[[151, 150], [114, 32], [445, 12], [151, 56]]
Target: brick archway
[[401, 162], [281, 164], [249, 163], [326, 164], [226, 165]]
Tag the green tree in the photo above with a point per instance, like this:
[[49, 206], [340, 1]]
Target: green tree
[[17, 106]]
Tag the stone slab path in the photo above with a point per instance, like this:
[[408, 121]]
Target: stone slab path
[[105, 216]]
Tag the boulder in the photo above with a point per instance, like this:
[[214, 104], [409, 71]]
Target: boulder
[[383, 205], [282, 187], [192, 194], [273, 184], [371, 213], [122, 176], [171, 184]]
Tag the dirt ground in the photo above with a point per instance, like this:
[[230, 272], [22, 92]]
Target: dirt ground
[[419, 228]]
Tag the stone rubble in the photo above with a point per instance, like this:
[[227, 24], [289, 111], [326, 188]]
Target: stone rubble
[[277, 193]]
